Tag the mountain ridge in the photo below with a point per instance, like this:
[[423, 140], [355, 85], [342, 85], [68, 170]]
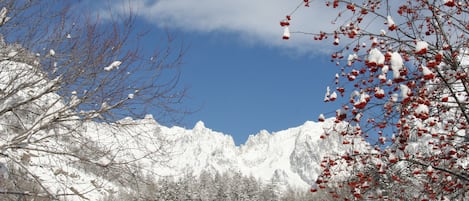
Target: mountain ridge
[[293, 155]]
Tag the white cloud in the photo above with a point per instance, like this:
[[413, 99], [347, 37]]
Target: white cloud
[[253, 20]]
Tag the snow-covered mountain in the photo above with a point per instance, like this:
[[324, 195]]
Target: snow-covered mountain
[[70, 155], [290, 157]]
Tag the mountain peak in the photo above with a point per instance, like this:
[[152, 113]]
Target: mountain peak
[[199, 125]]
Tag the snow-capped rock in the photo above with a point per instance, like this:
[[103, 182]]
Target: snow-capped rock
[[290, 157]]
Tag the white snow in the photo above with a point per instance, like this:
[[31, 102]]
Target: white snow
[[405, 91], [327, 95], [396, 64], [385, 70], [390, 21], [382, 32], [3, 171], [351, 58], [336, 41], [294, 153], [422, 109], [421, 47], [426, 71], [286, 33], [379, 91], [12, 54], [113, 65], [3, 16], [382, 76], [333, 96], [321, 117], [394, 97], [375, 56], [392, 157], [430, 169], [396, 61]]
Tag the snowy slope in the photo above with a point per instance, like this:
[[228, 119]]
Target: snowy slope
[[289, 157]]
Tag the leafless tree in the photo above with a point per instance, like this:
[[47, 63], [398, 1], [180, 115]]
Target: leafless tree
[[67, 82]]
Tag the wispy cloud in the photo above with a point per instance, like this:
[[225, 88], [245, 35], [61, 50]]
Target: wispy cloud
[[253, 20]]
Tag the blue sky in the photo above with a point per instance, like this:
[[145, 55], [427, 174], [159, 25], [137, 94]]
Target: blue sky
[[245, 88], [241, 75]]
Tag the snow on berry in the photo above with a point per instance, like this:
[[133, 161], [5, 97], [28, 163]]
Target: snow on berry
[[326, 99], [375, 58], [382, 77], [341, 90], [389, 82], [391, 24], [357, 194], [357, 117], [336, 41], [361, 103], [405, 92], [373, 43], [427, 73], [393, 158], [328, 94], [394, 97], [354, 94], [333, 96], [385, 69], [379, 93], [321, 118], [382, 32], [397, 63], [286, 33], [430, 170], [451, 151], [421, 111], [351, 58], [421, 47], [341, 114], [314, 186]]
